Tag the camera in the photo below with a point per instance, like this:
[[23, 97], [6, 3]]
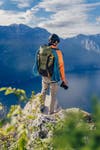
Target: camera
[[63, 85]]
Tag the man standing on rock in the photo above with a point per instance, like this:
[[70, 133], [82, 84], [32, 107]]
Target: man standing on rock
[[50, 65]]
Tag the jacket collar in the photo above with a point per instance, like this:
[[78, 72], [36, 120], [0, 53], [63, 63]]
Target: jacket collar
[[53, 46]]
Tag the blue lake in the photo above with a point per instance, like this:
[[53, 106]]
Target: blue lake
[[83, 86]]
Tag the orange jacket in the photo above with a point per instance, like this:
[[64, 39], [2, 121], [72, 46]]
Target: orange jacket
[[61, 64]]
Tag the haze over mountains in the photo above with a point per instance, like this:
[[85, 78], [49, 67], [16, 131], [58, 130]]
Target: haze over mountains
[[18, 44]]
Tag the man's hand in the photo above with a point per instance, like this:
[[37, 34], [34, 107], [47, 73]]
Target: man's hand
[[64, 85]]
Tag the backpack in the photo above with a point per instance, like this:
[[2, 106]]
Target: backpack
[[45, 61]]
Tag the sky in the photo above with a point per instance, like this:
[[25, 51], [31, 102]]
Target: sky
[[67, 18]]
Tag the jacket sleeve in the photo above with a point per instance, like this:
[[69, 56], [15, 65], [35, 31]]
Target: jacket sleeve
[[61, 65]]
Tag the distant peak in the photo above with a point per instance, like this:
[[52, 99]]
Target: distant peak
[[81, 35], [14, 24], [39, 28], [19, 25], [23, 26]]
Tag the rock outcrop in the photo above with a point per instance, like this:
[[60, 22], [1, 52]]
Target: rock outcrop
[[29, 128]]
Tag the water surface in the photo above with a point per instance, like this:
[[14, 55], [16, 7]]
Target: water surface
[[83, 86]]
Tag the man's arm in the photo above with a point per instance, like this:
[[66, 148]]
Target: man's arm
[[61, 66]]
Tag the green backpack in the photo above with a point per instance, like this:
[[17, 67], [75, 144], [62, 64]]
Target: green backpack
[[45, 61]]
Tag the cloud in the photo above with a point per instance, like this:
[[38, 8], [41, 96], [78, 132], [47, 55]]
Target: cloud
[[31, 18], [92, 5], [1, 3], [22, 3], [69, 18], [9, 17], [65, 17], [98, 20], [57, 5]]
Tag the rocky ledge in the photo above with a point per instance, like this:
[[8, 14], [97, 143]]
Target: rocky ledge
[[30, 129]]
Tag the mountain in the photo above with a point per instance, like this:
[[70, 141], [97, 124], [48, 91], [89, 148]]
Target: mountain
[[82, 52], [18, 44]]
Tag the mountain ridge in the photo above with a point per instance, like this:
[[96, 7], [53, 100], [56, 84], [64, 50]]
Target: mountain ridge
[[19, 43]]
